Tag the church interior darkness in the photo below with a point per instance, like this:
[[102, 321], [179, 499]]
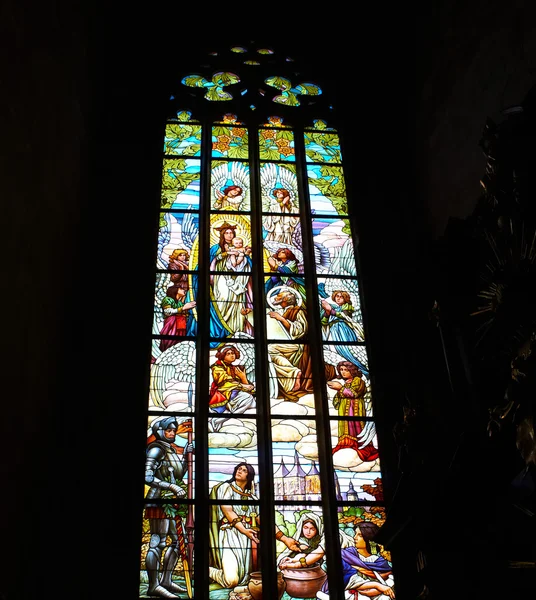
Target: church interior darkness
[[86, 91]]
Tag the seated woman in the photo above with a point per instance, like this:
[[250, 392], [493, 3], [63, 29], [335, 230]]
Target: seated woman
[[230, 390], [365, 575], [310, 539]]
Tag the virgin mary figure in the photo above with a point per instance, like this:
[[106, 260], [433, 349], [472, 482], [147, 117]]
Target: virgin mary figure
[[231, 295]]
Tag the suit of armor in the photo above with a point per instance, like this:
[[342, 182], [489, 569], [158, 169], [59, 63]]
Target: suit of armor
[[164, 467]]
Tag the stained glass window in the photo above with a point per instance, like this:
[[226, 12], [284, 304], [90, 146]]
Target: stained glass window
[[262, 469]]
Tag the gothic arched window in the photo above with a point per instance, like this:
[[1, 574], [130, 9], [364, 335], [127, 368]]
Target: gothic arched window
[[262, 467]]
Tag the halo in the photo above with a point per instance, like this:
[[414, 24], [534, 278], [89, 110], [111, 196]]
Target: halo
[[282, 288], [243, 227]]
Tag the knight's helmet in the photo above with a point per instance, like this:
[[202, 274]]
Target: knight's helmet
[[161, 425]]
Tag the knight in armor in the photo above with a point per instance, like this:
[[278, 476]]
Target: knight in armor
[[165, 467]]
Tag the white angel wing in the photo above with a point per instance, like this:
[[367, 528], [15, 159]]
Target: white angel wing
[[297, 236], [322, 257], [343, 261], [163, 281], [172, 382], [175, 234], [189, 231], [247, 355], [358, 354], [240, 176], [218, 178], [164, 237], [268, 183], [289, 181], [352, 287], [367, 435]]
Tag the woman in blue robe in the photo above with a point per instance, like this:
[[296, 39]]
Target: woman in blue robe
[[338, 325], [364, 571], [218, 262]]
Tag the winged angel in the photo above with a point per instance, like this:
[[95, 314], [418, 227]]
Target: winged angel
[[280, 198], [283, 230], [230, 185], [173, 375], [362, 450], [168, 386]]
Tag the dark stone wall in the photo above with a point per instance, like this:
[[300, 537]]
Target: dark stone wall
[[83, 92]]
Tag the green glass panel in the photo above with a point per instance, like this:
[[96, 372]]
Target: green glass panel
[[321, 125], [229, 141], [180, 183], [290, 92], [182, 139], [327, 190], [216, 87], [322, 147], [276, 144]]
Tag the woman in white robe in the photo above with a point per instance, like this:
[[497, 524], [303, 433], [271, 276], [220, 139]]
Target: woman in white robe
[[233, 533]]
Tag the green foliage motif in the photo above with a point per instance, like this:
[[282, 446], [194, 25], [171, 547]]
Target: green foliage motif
[[328, 141], [332, 186], [231, 141], [176, 134]]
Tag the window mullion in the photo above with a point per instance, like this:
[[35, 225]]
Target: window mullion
[[266, 498], [201, 435], [329, 499]]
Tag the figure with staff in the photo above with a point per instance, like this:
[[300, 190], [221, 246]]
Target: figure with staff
[[164, 469]]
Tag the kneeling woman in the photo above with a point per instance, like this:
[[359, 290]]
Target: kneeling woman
[[310, 538]]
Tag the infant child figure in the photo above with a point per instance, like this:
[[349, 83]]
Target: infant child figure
[[236, 255]]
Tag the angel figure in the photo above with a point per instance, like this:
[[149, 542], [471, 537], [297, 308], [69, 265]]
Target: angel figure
[[280, 191], [349, 402], [179, 261], [352, 394], [337, 318], [230, 198], [172, 382], [283, 199], [230, 186], [176, 238]]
